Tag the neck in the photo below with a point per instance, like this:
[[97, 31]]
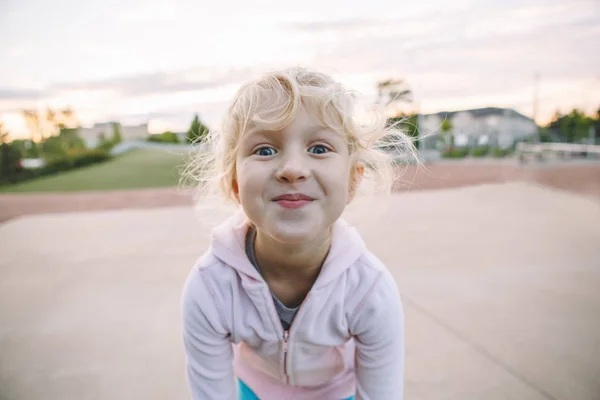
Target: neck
[[291, 262]]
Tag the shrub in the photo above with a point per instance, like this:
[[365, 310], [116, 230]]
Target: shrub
[[197, 130], [89, 157], [116, 137], [165, 137], [455, 153], [10, 161], [499, 153], [56, 164], [480, 151], [74, 160], [155, 138]]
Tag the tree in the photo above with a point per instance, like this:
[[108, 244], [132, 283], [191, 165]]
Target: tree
[[27, 148], [116, 138], [34, 125], [10, 159], [44, 124], [544, 135], [33, 150], [597, 125], [573, 127], [66, 142], [393, 92], [103, 143], [397, 90], [71, 140], [197, 131], [407, 123], [447, 133]]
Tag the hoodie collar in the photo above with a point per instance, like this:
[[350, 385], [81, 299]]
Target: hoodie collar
[[228, 244]]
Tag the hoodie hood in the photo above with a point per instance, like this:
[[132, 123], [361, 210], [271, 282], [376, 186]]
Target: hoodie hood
[[228, 244]]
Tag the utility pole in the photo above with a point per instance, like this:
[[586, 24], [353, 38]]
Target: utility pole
[[420, 142], [536, 84]]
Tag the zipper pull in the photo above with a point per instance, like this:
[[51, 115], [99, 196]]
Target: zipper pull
[[286, 336]]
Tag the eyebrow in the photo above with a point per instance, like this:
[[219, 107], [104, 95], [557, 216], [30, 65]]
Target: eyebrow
[[268, 132]]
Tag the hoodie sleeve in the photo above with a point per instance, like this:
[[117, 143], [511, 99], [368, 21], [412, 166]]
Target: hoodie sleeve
[[378, 329], [208, 350]]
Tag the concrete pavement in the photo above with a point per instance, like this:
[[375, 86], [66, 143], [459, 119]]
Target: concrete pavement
[[500, 284]]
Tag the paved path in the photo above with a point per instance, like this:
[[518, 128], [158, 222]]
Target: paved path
[[576, 177], [500, 284]]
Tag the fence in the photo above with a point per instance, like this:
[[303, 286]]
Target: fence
[[544, 151]]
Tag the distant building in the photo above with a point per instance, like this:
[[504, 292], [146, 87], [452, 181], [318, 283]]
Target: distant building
[[496, 126], [91, 135]]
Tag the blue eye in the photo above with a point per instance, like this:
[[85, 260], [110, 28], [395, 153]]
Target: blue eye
[[318, 149], [265, 151]]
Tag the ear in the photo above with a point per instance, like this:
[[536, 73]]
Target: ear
[[356, 176], [235, 189]]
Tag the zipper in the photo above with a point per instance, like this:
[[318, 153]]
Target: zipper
[[286, 336]]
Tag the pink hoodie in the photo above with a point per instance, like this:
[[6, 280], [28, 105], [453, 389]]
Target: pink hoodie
[[347, 337]]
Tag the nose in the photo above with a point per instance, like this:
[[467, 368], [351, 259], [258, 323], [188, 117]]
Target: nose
[[293, 168]]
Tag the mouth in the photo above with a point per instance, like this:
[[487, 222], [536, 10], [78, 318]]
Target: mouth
[[293, 200]]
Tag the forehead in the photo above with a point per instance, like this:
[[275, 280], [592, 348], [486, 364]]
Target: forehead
[[303, 125], [307, 119]]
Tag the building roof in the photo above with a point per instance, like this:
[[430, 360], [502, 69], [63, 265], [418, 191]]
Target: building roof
[[482, 112], [109, 125]]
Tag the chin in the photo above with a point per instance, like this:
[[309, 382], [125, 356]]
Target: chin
[[290, 232], [291, 236]]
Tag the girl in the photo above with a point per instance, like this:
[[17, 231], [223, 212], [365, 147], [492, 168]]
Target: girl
[[287, 303]]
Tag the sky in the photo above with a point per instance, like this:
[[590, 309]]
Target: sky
[[162, 61]]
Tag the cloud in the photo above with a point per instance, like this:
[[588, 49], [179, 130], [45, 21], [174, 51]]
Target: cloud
[[487, 46], [162, 82], [140, 85], [337, 25], [469, 50], [19, 94], [476, 56], [149, 12]]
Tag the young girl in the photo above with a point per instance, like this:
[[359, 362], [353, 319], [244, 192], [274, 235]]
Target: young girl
[[287, 303]]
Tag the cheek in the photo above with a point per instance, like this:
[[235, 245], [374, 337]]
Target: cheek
[[250, 177], [338, 179]]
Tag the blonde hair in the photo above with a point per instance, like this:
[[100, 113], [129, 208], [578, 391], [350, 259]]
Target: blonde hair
[[271, 103]]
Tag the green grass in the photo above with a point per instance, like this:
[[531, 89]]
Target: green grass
[[133, 170]]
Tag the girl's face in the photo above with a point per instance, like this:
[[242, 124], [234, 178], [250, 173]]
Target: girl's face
[[293, 184]]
